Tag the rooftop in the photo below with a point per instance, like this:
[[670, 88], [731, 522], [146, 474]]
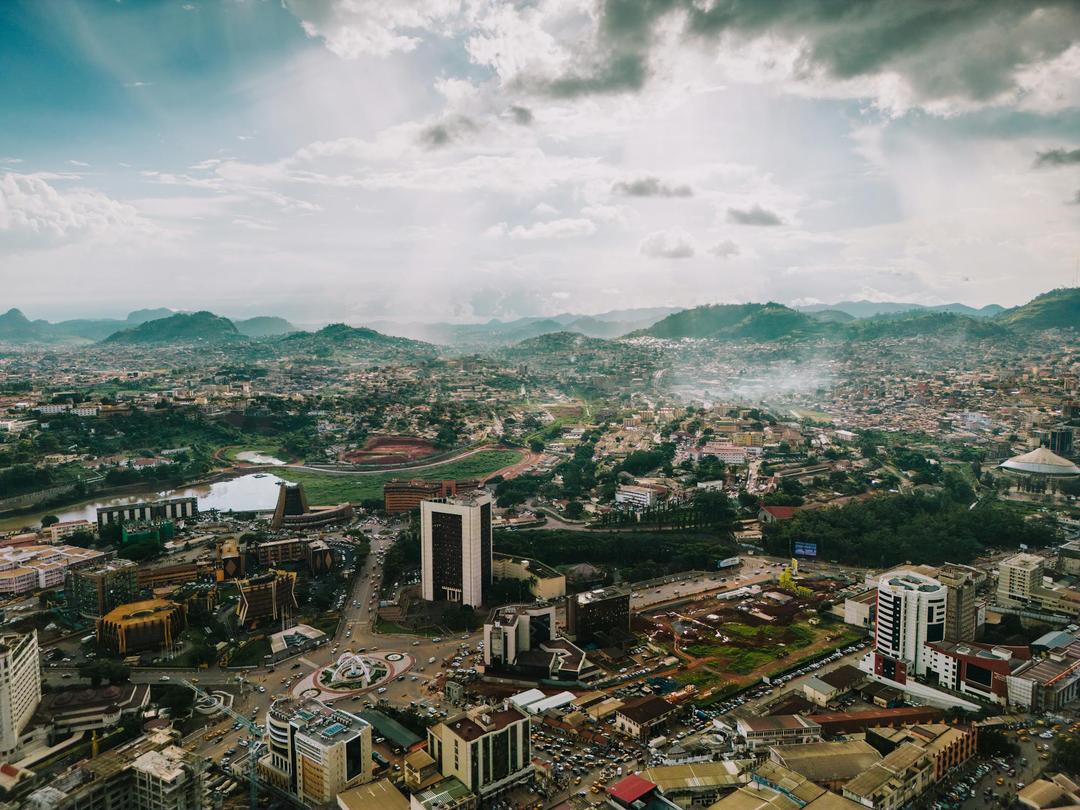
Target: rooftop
[[1040, 462]]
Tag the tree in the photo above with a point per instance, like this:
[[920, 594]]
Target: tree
[[536, 446], [102, 669], [49, 520], [574, 510], [992, 743]]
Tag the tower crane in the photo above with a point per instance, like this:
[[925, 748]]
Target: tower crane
[[255, 747]]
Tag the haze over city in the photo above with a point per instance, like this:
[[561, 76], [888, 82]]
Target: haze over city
[[458, 161]]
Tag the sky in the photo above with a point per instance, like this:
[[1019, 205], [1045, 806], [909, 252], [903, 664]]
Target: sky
[[462, 160]]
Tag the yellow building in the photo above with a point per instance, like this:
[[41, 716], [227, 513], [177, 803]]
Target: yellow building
[[146, 625]]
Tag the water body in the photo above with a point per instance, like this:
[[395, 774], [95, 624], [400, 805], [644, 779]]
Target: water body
[[245, 493], [256, 457]]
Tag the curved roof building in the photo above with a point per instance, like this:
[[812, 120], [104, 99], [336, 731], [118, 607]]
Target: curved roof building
[[1040, 462]]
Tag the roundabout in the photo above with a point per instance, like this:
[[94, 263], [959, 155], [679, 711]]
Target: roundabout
[[353, 674]]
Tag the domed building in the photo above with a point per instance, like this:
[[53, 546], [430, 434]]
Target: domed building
[[148, 625], [1040, 462]]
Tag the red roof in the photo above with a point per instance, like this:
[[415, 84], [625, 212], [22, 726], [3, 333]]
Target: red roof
[[781, 512], [631, 788]]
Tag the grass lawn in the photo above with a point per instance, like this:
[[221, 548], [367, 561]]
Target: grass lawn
[[749, 648], [251, 654], [324, 489]]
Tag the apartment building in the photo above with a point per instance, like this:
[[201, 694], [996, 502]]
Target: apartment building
[[20, 688]]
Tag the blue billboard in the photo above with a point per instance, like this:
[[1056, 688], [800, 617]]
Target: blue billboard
[[806, 549]]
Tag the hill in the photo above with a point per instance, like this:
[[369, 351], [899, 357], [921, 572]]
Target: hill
[[340, 338], [923, 323], [17, 328], [737, 321], [1057, 309], [264, 326], [179, 328], [870, 309]]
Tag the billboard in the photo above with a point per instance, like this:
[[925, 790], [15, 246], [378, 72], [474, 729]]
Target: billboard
[[728, 563], [805, 549]]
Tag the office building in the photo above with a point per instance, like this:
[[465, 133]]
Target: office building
[[230, 559], [600, 616], [148, 511], [630, 496], [911, 611], [293, 512], [1050, 681], [92, 592], [644, 717], [544, 581], [1018, 578], [20, 688], [960, 609], [487, 749], [1068, 561], [267, 597], [314, 751], [316, 553], [455, 549], [66, 528], [404, 496], [779, 729], [515, 629], [152, 624]]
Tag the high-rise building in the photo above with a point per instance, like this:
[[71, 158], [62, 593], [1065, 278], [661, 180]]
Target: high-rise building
[[269, 596], [486, 748], [404, 496], [455, 549], [911, 611], [515, 629], [20, 687], [601, 615], [960, 612], [314, 751], [93, 592], [1018, 578]]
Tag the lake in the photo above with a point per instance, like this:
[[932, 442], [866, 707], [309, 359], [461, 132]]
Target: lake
[[244, 493]]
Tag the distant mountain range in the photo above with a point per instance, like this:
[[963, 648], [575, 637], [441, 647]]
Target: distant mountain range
[[17, 328], [868, 309], [767, 322], [503, 333], [856, 320]]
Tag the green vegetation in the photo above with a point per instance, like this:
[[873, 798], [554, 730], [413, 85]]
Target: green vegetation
[[181, 327], [921, 528], [327, 488], [638, 555], [103, 670], [1052, 310], [252, 653]]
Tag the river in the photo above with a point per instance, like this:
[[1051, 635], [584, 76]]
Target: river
[[244, 493]]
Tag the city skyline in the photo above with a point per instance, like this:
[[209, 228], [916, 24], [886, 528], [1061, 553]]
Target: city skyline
[[460, 161]]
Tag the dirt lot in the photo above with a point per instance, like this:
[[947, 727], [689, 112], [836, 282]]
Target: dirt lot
[[390, 450]]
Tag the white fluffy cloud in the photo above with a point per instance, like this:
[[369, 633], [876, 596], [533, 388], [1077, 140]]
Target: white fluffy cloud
[[34, 212]]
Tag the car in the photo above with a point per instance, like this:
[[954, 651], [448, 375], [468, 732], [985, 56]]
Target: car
[[164, 678]]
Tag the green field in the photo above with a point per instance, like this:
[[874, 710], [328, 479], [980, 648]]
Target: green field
[[752, 647], [325, 489]]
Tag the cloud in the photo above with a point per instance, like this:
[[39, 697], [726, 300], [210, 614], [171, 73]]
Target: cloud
[[355, 28], [34, 213], [521, 115], [650, 187], [447, 132], [725, 249], [670, 244], [138, 84], [550, 229], [78, 163], [755, 215], [1058, 157], [975, 50]]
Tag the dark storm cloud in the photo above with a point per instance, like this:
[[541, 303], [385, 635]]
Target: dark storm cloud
[[446, 132], [965, 48], [754, 215], [650, 187], [522, 115], [1058, 157]]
